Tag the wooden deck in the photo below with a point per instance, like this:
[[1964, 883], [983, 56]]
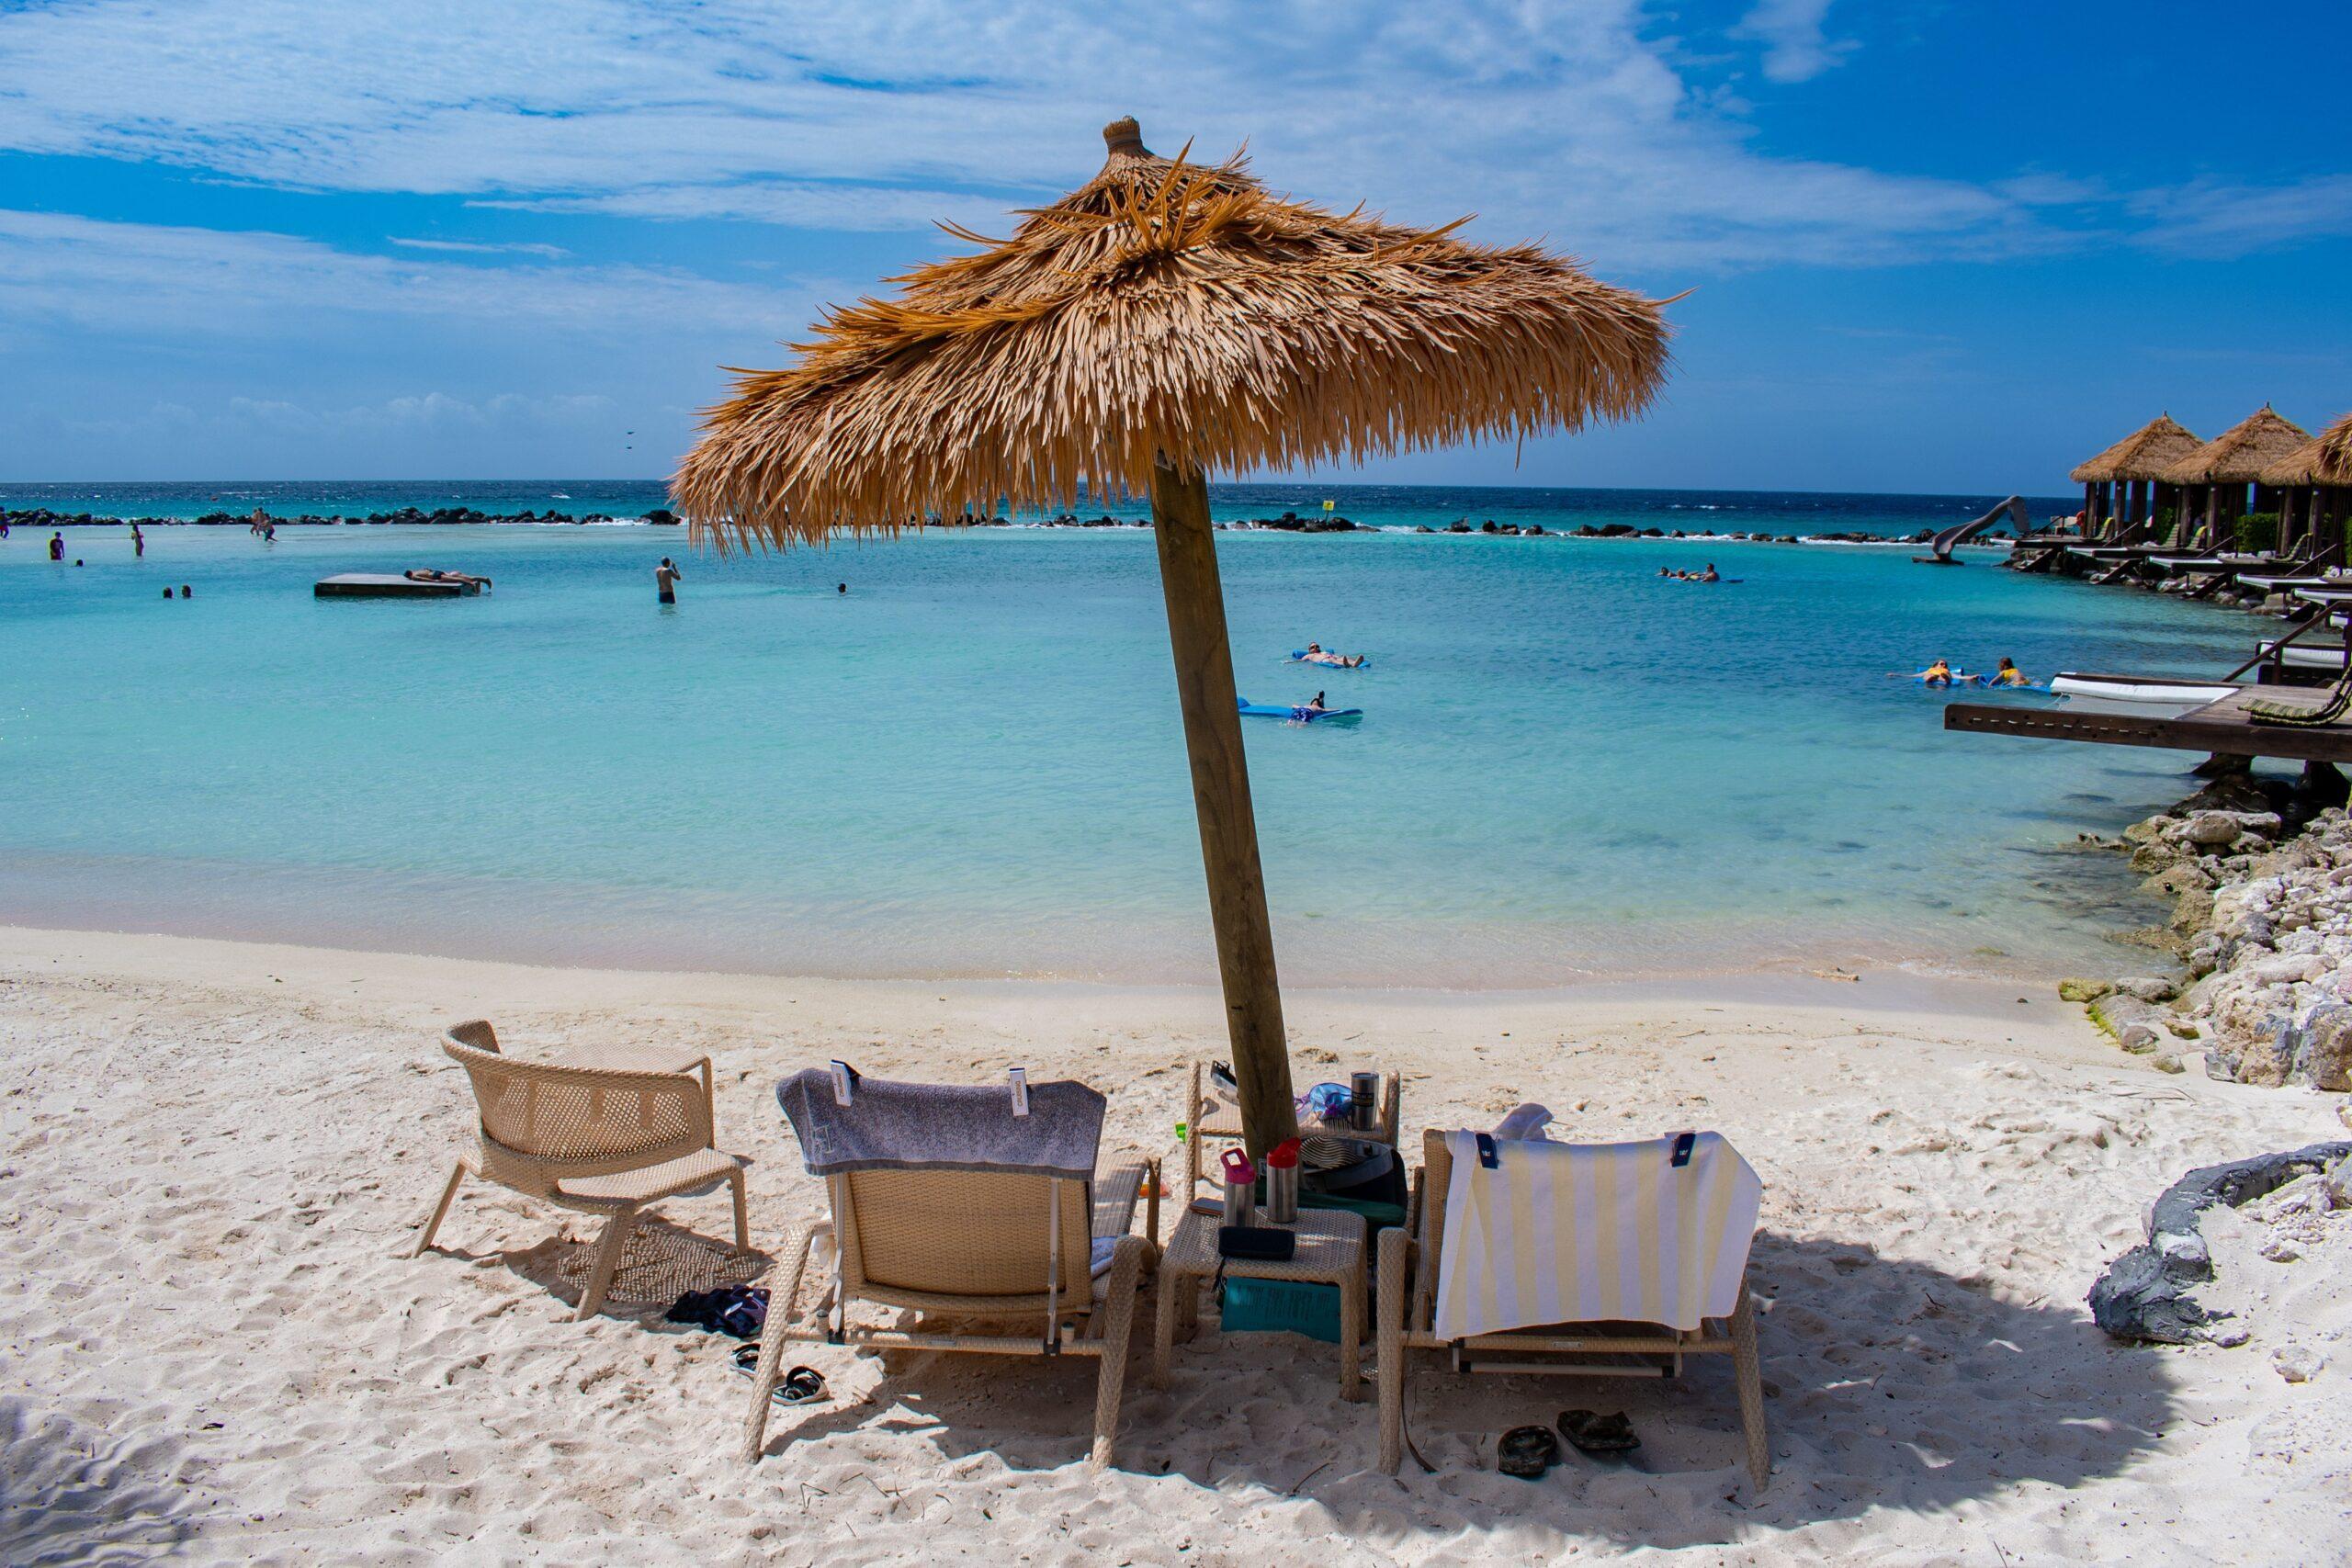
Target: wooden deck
[[2218, 726]]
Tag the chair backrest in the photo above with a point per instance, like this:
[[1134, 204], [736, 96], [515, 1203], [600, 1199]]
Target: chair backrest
[[1653, 1230], [542, 1121], [1437, 1179], [960, 1233], [475, 1032]]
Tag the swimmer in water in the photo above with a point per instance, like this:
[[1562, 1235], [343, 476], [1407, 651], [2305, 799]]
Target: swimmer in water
[[666, 577], [2008, 674]]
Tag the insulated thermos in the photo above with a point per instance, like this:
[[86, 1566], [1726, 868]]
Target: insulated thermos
[[1282, 1183], [1364, 1101], [1240, 1189]]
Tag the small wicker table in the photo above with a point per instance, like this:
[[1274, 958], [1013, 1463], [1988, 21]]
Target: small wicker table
[[1330, 1252]]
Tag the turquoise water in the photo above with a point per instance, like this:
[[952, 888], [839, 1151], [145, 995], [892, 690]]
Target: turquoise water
[[972, 764]]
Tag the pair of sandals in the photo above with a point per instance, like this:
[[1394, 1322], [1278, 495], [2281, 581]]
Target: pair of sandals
[[1528, 1451], [797, 1386]]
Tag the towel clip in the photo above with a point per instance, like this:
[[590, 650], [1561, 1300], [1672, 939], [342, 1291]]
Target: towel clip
[[1020, 1076], [844, 1080], [1683, 1143], [1486, 1156]]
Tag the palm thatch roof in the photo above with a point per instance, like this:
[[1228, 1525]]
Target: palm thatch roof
[[2336, 452], [2239, 454], [2142, 454], [1163, 310]]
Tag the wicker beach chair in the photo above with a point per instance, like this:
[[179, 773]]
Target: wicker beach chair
[[1412, 1261], [963, 1256], [593, 1140]]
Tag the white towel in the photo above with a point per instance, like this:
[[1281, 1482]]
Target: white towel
[[1584, 1233]]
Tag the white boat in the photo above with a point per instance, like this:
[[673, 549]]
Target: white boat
[[2150, 696]]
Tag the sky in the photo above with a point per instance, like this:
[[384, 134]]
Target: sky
[[1931, 246]]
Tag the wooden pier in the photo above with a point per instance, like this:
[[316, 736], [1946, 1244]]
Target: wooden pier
[[2220, 727]]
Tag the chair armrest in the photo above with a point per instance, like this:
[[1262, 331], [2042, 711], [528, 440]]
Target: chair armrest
[[709, 1097], [1396, 1257]]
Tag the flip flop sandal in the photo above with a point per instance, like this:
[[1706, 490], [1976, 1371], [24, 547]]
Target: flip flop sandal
[[1527, 1452], [1592, 1434], [797, 1386]]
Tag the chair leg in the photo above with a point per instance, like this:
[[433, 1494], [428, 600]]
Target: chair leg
[[1748, 1373], [1390, 1349], [783, 1298], [742, 1217], [440, 1211], [1111, 1379], [608, 1259]]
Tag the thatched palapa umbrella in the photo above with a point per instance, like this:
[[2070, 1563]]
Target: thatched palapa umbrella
[[1164, 320], [2115, 483], [2310, 480], [2226, 465]]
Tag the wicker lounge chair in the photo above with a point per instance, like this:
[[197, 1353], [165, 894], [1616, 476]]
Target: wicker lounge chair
[[986, 1249], [1412, 1262], [590, 1139]]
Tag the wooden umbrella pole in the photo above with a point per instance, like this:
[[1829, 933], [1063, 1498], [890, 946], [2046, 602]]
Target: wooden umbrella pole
[[1244, 939]]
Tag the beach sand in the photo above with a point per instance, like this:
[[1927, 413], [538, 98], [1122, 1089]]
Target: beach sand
[[215, 1158]]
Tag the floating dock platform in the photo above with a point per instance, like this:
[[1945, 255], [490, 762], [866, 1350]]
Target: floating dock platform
[[2220, 727], [388, 585]]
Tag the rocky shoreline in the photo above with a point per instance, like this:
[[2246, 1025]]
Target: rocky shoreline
[[2260, 871]]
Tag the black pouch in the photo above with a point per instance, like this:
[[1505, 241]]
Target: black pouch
[[1256, 1241]]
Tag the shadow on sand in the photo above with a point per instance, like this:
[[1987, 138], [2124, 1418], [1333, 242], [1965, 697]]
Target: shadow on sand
[[72, 1492], [1891, 1384]]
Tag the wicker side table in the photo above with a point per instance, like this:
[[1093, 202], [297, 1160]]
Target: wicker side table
[[1330, 1252]]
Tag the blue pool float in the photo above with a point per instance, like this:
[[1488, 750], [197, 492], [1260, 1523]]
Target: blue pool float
[[1302, 715]]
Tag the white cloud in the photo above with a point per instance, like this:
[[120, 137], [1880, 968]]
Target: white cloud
[[135, 278], [427, 412], [1797, 46], [473, 247], [2209, 217], [1555, 117]]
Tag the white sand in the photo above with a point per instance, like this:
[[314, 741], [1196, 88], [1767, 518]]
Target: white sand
[[215, 1158]]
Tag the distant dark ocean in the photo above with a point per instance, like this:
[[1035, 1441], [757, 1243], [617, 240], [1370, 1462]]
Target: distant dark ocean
[[1724, 511]]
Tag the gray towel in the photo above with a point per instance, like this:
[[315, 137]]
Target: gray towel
[[920, 1126]]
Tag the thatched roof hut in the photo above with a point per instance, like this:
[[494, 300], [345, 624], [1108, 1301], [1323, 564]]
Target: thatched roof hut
[[2336, 452], [2302, 466], [2239, 454], [1164, 320], [2142, 454], [1163, 310]]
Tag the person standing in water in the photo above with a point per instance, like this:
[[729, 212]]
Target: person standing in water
[[137, 543], [57, 546], [665, 582]]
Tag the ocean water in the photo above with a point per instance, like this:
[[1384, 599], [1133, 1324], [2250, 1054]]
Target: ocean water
[[971, 763]]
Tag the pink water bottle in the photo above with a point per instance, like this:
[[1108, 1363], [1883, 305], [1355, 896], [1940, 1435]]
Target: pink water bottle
[[1240, 1188]]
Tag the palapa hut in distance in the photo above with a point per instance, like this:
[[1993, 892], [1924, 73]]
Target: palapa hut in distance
[[2123, 482], [1164, 320], [2219, 473], [2314, 487]]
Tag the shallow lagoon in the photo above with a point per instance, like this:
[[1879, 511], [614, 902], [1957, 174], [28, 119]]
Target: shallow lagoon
[[972, 763]]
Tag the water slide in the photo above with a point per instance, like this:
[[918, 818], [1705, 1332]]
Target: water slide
[[2013, 508]]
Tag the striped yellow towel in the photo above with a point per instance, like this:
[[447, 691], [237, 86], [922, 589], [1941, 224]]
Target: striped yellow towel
[[1584, 1233]]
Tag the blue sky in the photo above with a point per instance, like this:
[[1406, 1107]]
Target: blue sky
[[1934, 246]]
